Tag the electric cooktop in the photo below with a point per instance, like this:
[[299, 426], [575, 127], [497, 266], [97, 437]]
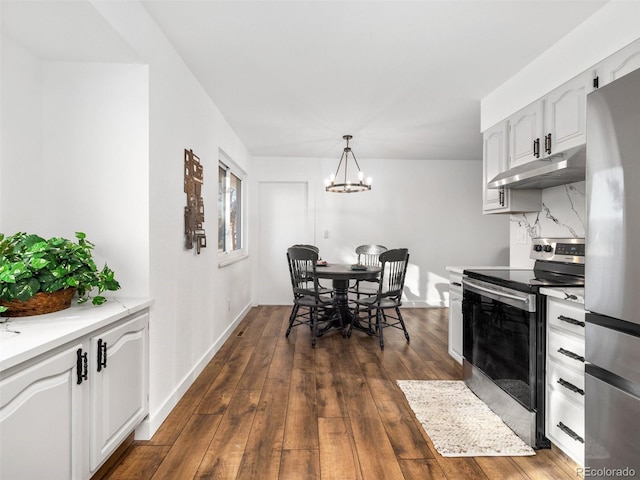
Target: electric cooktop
[[559, 263], [526, 280]]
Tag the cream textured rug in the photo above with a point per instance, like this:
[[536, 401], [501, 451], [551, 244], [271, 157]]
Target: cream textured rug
[[458, 423]]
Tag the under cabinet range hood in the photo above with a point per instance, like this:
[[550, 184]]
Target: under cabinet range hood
[[557, 169]]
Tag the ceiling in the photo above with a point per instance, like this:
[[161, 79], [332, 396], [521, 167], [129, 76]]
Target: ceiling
[[405, 78]]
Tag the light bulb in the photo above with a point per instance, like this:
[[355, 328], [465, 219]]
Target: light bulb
[[369, 181], [360, 176]]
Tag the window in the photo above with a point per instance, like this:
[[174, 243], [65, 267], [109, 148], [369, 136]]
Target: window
[[230, 214]]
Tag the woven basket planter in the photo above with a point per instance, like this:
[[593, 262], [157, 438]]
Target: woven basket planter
[[40, 303]]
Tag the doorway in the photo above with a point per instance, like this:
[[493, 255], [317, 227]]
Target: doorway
[[283, 221]]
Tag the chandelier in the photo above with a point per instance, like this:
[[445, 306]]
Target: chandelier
[[338, 182]]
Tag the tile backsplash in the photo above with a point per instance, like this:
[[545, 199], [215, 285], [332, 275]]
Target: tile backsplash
[[563, 215]]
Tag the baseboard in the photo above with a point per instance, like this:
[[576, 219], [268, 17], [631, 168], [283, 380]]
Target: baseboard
[[422, 304], [150, 425]]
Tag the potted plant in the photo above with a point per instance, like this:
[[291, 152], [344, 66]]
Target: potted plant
[[41, 276]]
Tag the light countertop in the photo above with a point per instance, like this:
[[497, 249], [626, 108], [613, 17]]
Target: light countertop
[[490, 267], [572, 294], [23, 338]]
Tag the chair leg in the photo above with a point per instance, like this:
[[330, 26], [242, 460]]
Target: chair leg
[[314, 326], [292, 317], [355, 317], [379, 316], [406, 334]]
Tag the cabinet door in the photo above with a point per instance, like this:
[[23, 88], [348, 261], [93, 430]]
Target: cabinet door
[[455, 324], [495, 161], [119, 385], [565, 118], [41, 411], [525, 132], [620, 63]]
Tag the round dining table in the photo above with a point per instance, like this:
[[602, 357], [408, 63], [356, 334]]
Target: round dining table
[[340, 275]]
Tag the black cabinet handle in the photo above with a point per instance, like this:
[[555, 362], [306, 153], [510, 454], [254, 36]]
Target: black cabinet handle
[[570, 354], [570, 386], [456, 284], [501, 197], [536, 147], [102, 355], [547, 143], [570, 432], [82, 366], [570, 320]]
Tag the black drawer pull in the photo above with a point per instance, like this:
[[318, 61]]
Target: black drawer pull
[[570, 432], [457, 284], [570, 386], [570, 320], [570, 354]]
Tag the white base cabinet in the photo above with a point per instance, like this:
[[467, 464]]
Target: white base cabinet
[[64, 411], [455, 316], [565, 425], [41, 428], [119, 385]]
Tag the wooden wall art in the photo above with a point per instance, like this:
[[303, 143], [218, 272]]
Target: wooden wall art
[[194, 211]]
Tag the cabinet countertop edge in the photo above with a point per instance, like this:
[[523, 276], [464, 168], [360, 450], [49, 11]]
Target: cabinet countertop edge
[[570, 294], [456, 269], [24, 338]]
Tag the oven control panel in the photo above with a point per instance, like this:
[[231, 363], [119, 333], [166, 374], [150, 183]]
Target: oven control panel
[[566, 250]]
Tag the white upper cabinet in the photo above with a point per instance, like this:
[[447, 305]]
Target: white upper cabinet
[[565, 115], [525, 130], [619, 64], [552, 124], [495, 160]]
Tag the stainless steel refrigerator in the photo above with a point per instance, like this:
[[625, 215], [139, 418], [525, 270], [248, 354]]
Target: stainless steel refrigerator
[[612, 281]]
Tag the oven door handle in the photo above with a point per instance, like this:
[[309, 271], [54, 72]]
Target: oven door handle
[[524, 299]]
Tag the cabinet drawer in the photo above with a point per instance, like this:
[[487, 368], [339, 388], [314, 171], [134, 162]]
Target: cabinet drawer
[[565, 425], [566, 315], [567, 381], [566, 349]]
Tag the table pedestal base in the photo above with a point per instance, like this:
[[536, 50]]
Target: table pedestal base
[[340, 309]]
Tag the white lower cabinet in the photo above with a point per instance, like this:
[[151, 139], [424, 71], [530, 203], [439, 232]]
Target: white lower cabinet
[[41, 428], [455, 316], [119, 385], [64, 412], [564, 416]]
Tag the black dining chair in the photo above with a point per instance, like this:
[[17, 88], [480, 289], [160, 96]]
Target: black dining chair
[[389, 295], [323, 290], [368, 255], [307, 300]]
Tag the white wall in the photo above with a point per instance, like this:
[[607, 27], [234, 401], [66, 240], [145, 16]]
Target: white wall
[[611, 28], [21, 146], [431, 207], [75, 156], [99, 147], [190, 318]]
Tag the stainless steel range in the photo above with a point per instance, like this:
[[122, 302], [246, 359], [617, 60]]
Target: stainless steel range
[[504, 329]]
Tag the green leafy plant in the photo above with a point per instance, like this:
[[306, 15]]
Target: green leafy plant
[[30, 264]]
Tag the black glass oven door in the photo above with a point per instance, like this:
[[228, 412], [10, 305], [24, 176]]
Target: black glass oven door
[[499, 338]]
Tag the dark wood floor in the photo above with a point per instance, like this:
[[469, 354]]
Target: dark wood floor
[[267, 407]]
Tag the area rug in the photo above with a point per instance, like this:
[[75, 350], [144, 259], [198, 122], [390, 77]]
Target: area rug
[[458, 423]]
